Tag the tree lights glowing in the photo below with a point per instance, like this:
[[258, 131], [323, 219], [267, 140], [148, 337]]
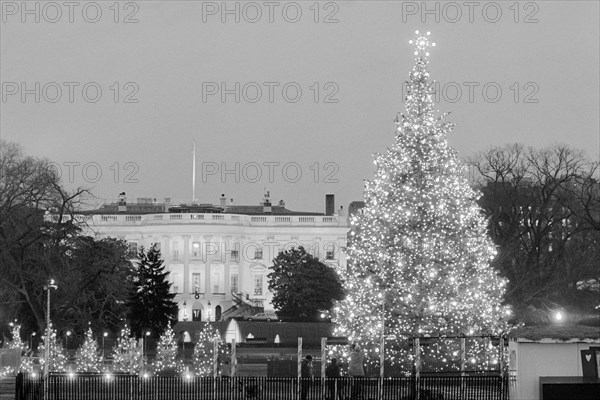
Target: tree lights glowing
[[16, 342], [166, 353], [204, 350], [57, 358], [86, 357], [419, 254], [127, 354]]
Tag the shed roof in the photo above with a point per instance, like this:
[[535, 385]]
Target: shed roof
[[550, 333]]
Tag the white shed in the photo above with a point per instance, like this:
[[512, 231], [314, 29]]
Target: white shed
[[546, 351]]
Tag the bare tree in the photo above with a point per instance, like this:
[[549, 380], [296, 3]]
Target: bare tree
[[543, 212], [40, 238]]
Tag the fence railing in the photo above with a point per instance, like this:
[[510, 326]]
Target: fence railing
[[134, 387]]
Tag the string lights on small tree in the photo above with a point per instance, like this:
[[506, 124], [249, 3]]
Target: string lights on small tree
[[204, 350], [57, 358], [127, 354], [86, 357], [166, 360]]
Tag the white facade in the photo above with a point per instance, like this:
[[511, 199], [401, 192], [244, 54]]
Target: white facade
[[212, 257]]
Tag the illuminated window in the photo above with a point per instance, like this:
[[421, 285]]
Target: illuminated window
[[196, 249]]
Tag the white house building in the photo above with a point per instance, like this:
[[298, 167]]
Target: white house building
[[219, 256]]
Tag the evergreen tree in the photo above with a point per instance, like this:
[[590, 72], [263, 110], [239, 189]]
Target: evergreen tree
[[86, 357], [419, 254], [58, 358], [16, 342], [151, 304], [166, 360], [204, 350], [127, 354], [302, 285]]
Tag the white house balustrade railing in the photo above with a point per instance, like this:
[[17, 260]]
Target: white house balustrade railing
[[219, 219]]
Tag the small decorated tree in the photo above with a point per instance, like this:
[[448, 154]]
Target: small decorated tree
[[86, 357], [166, 361], [57, 358], [16, 342], [127, 354], [204, 350]]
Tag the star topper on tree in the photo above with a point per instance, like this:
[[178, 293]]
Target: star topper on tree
[[422, 45]]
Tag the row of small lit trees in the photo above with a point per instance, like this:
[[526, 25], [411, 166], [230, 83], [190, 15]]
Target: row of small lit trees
[[128, 353]]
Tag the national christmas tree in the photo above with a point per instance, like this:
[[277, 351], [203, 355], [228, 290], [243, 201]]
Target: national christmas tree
[[166, 353], [127, 354], [151, 303], [57, 356], [419, 254], [204, 350], [86, 357]]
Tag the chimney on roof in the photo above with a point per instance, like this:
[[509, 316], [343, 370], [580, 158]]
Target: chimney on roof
[[329, 204], [122, 204], [267, 209], [223, 200], [281, 203]]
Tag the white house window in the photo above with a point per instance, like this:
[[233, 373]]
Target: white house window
[[196, 249], [132, 249], [197, 282], [258, 254], [234, 283], [258, 285], [175, 255], [216, 282], [329, 255], [235, 256]]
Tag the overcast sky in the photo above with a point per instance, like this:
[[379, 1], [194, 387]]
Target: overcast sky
[[161, 76]]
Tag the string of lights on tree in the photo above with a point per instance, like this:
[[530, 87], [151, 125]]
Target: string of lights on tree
[[127, 354], [419, 254], [204, 350], [58, 358], [16, 342], [166, 353], [86, 357]]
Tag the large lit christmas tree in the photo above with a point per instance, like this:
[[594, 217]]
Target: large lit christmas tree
[[127, 354], [86, 357], [419, 254], [204, 350], [58, 358], [166, 360]]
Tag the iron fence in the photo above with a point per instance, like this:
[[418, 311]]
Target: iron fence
[[134, 387]]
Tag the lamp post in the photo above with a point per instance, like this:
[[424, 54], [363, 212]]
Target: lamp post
[[68, 333], [104, 335], [31, 341], [382, 344], [147, 333], [51, 284], [183, 334]]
